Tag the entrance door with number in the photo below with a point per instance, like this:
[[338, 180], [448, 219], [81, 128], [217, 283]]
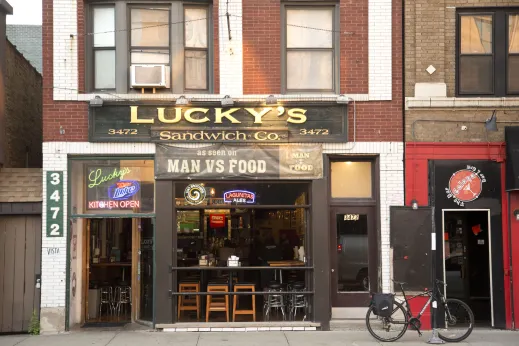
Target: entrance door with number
[[354, 255]]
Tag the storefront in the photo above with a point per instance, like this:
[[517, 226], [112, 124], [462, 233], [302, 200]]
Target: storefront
[[243, 214], [465, 183]]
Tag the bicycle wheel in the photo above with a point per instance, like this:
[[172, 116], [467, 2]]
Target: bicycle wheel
[[387, 328], [459, 321]]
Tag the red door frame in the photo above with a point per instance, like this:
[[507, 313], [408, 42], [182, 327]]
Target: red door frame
[[417, 155]]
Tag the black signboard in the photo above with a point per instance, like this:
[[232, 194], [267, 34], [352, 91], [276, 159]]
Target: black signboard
[[221, 161], [213, 124], [512, 157]]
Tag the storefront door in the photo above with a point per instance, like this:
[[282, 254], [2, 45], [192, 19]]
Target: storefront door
[[353, 261]]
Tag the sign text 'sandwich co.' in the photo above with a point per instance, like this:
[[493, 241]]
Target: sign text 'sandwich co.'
[[243, 145]]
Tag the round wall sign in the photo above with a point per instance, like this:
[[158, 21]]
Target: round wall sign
[[194, 194], [466, 185]]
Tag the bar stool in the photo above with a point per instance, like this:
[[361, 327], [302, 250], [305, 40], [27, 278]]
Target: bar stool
[[187, 303], [123, 299], [217, 303], [106, 299], [298, 301], [244, 287], [274, 301]]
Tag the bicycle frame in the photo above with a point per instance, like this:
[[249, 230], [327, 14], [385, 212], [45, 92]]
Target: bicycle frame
[[423, 294]]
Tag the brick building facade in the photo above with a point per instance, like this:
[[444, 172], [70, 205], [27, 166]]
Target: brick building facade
[[20, 107], [249, 49], [460, 78]]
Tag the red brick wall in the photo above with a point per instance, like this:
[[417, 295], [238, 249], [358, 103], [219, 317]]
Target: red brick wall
[[216, 48], [73, 116], [376, 121], [23, 111], [81, 45], [354, 46], [261, 47]]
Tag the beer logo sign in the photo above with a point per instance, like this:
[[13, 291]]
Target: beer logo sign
[[465, 185], [123, 190], [194, 194], [239, 196]]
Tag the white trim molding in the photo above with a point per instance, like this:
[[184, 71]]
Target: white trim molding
[[461, 102]]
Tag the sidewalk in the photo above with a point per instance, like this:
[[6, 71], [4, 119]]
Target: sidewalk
[[481, 337]]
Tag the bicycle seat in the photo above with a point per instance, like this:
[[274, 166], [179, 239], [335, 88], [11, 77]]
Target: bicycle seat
[[399, 282]]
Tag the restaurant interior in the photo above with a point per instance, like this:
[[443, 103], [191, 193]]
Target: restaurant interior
[[242, 253]]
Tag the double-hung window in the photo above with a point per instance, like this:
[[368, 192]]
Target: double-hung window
[[195, 48], [104, 47], [134, 45], [310, 49], [149, 32], [488, 52]]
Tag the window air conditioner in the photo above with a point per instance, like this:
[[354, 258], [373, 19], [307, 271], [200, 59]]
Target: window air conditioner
[[149, 76]]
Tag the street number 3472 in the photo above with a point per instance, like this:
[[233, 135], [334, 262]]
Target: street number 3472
[[55, 204], [314, 132]]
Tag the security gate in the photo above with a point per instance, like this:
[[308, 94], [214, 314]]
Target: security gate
[[20, 266]]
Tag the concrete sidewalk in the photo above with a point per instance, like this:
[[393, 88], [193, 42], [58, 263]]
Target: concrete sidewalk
[[480, 337]]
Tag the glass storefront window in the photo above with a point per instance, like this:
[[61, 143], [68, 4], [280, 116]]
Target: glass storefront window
[[259, 227], [351, 179], [112, 186]]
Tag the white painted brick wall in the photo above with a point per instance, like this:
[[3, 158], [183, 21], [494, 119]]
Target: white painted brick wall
[[380, 49], [55, 158], [231, 49], [231, 54], [65, 49]]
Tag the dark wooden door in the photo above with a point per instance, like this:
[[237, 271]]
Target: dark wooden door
[[353, 255], [20, 263]]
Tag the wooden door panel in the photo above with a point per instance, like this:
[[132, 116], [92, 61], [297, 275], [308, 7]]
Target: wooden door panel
[[30, 269]]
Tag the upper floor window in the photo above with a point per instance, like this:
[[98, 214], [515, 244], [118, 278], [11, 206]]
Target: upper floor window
[[149, 32], [104, 47], [310, 49], [488, 53], [166, 43]]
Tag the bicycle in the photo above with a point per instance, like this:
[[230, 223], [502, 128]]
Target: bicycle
[[403, 317]]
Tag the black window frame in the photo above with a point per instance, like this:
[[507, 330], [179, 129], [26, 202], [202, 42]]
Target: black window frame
[[335, 47], [122, 9], [500, 50]]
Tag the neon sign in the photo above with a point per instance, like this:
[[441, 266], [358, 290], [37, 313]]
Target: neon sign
[[123, 190], [96, 177], [114, 204], [239, 196]]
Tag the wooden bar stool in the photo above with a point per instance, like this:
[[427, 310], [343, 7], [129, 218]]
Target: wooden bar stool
[[244, 287], [186, 303], [218, 303]]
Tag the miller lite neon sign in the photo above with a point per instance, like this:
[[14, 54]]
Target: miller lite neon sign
[[123, 190]]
